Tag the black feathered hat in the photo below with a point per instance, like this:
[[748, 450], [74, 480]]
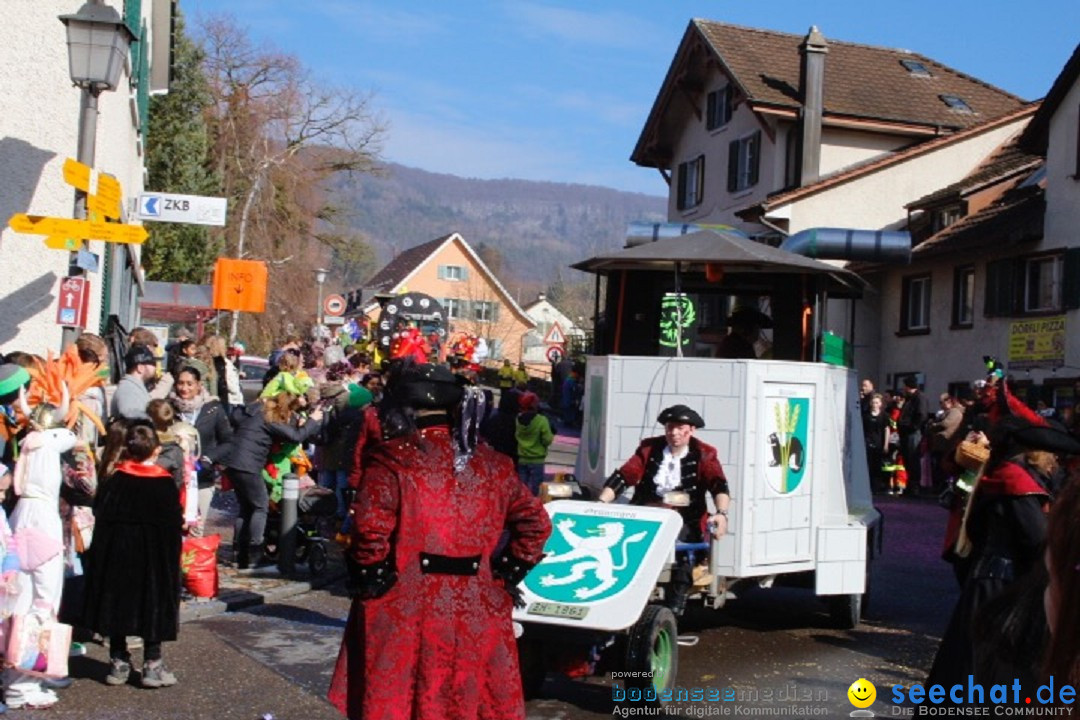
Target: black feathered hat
[[680, 414]]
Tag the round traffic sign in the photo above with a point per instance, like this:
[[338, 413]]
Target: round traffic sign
[[554, 354], [334, 305]]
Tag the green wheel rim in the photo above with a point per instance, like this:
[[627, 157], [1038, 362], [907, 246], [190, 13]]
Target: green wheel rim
[[663, 647]]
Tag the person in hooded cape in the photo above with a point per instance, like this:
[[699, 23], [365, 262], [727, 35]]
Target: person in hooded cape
[[430, 635]]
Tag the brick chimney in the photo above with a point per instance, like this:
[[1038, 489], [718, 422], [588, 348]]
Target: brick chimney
[[812, 90]]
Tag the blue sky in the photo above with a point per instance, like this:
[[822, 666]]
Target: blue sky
[[559, 90]]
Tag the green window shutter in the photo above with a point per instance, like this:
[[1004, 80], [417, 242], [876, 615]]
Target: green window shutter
[[711, 120], [755, 157], [729, 96], [495, 311], [733, 166], [442, 272], [143, 74], [133, 20], [133, 16], [464, 272], [1070, 290]]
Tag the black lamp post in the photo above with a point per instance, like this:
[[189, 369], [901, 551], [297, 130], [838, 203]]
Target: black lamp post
[[98, 43]]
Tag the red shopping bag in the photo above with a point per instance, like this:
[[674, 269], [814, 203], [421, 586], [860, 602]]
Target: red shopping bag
[[198, 563]]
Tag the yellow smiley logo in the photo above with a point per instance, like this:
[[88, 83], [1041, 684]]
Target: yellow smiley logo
[[862, 693]]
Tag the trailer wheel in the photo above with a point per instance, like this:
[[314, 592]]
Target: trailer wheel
[[531, 661], [845, 610], [652, 646]]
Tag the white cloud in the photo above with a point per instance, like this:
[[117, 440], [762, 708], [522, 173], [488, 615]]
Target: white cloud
[[432, 143], [582, 27], [377, 21]]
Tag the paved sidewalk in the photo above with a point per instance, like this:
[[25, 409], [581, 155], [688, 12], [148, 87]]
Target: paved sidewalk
[[245, 589], [239, 590]]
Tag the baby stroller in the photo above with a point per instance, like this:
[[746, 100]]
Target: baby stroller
[[316, 520]]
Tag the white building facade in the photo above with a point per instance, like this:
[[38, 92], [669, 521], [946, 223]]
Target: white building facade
[[39, 130]]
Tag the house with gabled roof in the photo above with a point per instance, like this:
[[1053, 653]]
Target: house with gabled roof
[[475, 301], [751, 124], [775, 133], [996, 264]]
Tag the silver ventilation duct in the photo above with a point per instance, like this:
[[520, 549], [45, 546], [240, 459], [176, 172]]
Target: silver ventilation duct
[[843, 244]]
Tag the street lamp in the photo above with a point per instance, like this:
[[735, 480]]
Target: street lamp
[[98, 42], [320, 277]]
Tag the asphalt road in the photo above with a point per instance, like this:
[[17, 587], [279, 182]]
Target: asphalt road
[[768, 648]]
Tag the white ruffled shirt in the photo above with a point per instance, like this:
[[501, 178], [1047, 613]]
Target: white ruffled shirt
[[669, 476]]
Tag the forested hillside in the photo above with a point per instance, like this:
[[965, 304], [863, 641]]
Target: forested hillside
[[536, 229]]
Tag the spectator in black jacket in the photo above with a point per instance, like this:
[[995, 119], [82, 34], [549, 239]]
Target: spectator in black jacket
[[500, 427], [195, 406], [913, 416], [258, 426]]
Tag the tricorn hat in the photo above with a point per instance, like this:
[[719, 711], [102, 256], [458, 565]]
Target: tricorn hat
[[680, 414], [1018, 433], [425, 386]]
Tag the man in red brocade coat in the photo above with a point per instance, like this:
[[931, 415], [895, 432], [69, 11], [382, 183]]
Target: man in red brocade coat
[[430, 634]]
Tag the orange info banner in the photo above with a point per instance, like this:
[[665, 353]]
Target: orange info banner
[[240, 285]]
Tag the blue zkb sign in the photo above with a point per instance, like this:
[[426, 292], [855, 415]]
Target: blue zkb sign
[[151, 205]]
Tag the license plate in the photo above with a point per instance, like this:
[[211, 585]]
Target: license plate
[[571, 612]]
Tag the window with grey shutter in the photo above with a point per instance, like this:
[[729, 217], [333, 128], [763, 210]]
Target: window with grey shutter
[[1000, 297], [680, 188], [1070, 292], [733, 166], [691, 184], [754, 161]]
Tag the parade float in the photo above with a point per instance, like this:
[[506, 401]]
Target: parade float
[[787, 427]]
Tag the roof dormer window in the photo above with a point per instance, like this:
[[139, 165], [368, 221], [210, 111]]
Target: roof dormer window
[[916, 68], [956, 104]]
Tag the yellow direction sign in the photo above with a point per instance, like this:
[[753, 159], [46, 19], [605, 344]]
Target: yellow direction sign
[[103, 199], [77, 174], [59, 242], [78, 229]]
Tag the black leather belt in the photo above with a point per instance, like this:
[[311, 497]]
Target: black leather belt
[[447, 565]]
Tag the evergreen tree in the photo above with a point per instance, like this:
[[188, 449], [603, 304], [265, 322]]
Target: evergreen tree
[[178, 161], [556, 290]]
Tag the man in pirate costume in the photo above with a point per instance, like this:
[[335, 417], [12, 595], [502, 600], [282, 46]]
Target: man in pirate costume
[[430, 634], [678, 471]]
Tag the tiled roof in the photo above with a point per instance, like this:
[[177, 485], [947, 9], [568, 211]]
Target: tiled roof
[[862, 82], [875, 164], [399, 268], [405, 264], [1010, 160], [1015, 219], [1036, 134]]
